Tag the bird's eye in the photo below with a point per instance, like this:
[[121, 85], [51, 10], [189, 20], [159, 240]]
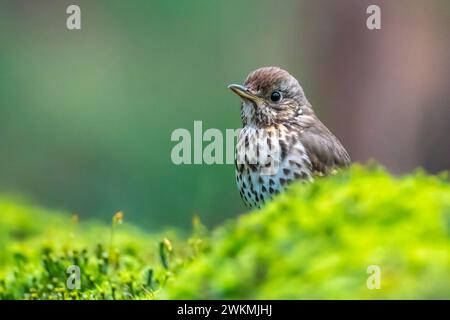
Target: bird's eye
[[275, 96]]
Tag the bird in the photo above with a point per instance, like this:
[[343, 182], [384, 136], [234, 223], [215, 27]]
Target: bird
[[282, 139]]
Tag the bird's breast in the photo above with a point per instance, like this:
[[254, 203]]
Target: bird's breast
[[267, 160]]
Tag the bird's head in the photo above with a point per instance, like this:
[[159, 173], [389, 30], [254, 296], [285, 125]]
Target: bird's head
[[270, 95]]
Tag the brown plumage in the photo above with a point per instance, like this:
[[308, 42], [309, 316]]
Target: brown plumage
[[282, 139]]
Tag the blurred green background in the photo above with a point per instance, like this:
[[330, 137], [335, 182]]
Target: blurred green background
[[86, 116]]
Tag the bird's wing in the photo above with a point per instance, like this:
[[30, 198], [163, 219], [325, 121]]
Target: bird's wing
[[324, 150]]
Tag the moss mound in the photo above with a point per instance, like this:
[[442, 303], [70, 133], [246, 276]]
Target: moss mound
[[318, 241]]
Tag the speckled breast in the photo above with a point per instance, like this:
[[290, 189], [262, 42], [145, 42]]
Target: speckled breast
[[267, 160]]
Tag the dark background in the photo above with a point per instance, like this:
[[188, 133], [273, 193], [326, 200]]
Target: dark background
[[86, 116]]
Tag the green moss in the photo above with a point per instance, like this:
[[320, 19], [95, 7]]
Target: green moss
[[116, 262], [315, 241]]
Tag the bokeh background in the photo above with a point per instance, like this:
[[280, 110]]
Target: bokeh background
[[86, 116]]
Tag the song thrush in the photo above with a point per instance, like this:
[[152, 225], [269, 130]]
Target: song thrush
[[282, 139]]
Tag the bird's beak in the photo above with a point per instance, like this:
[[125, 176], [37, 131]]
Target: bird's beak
[[243, 92]]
